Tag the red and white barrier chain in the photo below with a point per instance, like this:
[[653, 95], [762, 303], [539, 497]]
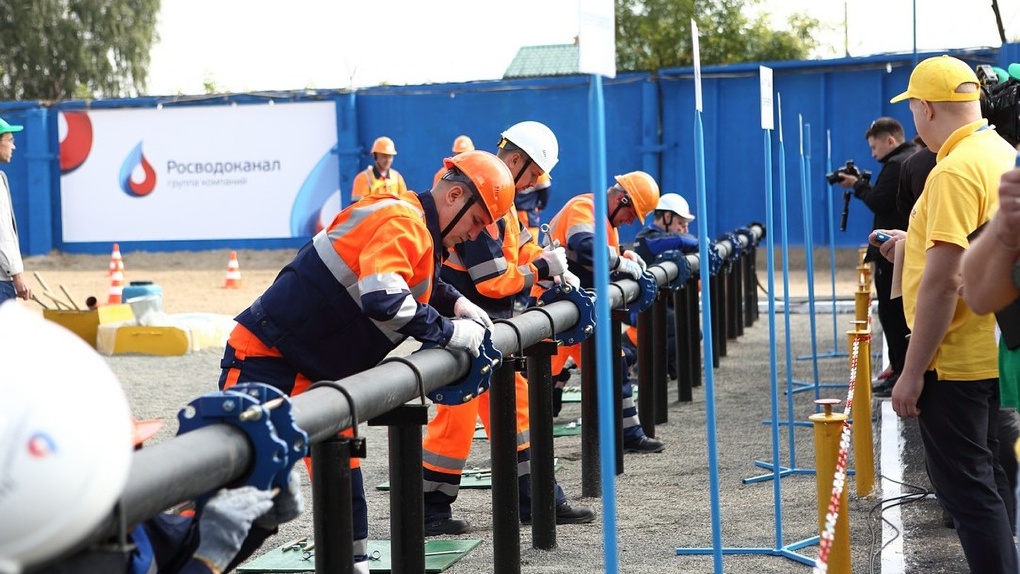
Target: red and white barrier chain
[[839, 478]]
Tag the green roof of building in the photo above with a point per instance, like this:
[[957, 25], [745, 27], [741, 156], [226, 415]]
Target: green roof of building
[[549, 60]]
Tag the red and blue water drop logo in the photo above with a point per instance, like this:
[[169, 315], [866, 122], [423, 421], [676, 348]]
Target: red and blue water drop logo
[[41, 445], [134, 160]]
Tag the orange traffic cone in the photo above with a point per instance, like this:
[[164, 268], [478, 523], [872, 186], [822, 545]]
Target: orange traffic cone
[[233, 273], [115, 259], [116, 283]]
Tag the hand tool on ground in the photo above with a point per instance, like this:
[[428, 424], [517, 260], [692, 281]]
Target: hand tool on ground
[[69, 298]]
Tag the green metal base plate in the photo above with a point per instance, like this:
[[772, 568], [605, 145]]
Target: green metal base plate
[[439, 555]]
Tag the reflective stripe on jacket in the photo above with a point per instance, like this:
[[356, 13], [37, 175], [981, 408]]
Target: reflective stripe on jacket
[[574, 228], [492, 271], [369, 182], [358, 289]]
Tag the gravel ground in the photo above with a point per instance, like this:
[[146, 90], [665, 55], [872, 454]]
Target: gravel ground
[[662, 500]]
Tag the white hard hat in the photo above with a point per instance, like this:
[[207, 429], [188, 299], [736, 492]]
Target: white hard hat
[[677, 204], [65, 439], [536, 140]]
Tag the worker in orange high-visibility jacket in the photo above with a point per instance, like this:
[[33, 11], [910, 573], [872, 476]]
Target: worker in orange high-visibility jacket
[[530, 204], [380, 176], [492, 270], [632, 198], [366, 283], [460, 145]]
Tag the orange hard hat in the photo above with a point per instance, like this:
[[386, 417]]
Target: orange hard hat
[[491, 178], [643, 192], [384, 145], [463, 144]]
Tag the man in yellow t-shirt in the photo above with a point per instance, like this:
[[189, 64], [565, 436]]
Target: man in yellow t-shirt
[[950, 377]]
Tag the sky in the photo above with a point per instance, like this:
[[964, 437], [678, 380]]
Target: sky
[[253, 45]]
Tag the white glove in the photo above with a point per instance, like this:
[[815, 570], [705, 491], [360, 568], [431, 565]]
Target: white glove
[[467, 336], [628, 266], [556, 259], [286, 506], [225, 520], [571, 279], [463, 308], [633, 256]]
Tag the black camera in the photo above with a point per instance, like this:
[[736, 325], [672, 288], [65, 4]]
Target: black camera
[[848, 169]]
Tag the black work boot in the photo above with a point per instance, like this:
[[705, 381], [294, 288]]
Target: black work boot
[[446, 526]]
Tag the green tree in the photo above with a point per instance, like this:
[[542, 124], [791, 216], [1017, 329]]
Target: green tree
[[63, 49], [654, 34]]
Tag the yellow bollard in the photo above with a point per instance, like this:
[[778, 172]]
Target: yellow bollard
[[864, 441], [862, 302], [828, 430]]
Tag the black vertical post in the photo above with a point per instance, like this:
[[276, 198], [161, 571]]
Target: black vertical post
[[645, 382], [407, 506], [543, 478], [751, 286], [715, 293], [618, 315], [735, 289], [506, 514], [659, 345], [694, 329], [591, 473], [332, 517], [686, 348]]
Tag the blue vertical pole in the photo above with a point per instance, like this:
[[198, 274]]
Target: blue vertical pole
[[38, 229], [603, 342], [786, 288], [706, 327], [809, 243], [773, 369], [832, 243]]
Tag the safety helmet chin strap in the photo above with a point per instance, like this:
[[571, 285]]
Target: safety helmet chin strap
[[527, 164], [624, 202], [456, 218]]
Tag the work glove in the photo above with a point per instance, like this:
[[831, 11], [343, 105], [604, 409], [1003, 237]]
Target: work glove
[[463, 308], [225, 521], [571, 279], [555, 259], [633, 256], [287, 505], [628, 266], [467, 336]]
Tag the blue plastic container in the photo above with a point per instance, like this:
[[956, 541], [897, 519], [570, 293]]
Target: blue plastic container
[[141, 289]]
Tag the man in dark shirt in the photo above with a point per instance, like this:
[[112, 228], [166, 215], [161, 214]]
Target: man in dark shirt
[[886, 140]]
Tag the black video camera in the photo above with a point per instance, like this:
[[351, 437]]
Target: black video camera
[[833, 178], [848, 169]]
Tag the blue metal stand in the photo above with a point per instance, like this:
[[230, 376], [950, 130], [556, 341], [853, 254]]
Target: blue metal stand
[[780, 549]]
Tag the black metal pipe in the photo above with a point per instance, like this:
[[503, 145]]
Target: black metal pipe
[[407, 501], [645, 382], [205, 459], [738, 296], [732, 302], [660, 356], [331, 497], [591, 473], [685, 347], [718, 335], [543, 473], [694, 329], [506, 514], [618, 374]]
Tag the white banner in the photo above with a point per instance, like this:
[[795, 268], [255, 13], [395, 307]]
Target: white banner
[[194, 173], [597, 38]]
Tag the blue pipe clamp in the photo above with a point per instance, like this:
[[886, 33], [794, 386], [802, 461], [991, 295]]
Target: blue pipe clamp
[[478, 379], [264, 414], [585, 303], [678, 258], [715, 261], [649, 289]]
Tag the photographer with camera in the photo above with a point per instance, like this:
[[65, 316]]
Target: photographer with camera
[[886, 140]]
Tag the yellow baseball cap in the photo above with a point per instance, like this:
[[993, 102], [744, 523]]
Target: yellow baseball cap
[[936, 80]]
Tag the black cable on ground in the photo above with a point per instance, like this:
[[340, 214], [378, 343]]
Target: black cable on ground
[[919, 494]]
